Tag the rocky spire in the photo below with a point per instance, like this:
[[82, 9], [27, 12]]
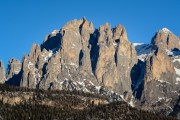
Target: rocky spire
[[14, 67], [2, 72], [34, 53], [75, 48], [165, 39], [116, 58]]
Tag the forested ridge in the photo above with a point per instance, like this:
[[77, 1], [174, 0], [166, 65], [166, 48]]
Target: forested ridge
[[73, 105]]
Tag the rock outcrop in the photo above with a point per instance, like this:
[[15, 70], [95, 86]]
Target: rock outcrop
[[126, 59], [2, 72], [159, 64], [14, 67], [160, 75], [77, 56], [159, 71], [103, 61], [166, 39], [34, 66], [75, 48], [116, 58]]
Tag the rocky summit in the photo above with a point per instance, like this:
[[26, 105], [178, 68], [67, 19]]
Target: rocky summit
[[104, 61]]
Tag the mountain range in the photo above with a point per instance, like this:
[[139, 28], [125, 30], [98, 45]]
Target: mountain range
[[103, 61]]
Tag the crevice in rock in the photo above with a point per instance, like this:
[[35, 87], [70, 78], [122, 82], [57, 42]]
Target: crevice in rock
[[81, 55], [117, 41], [137, 79], [44, 69], [80, 27], [28, 79], [167, 42], [115, 57], [94, 52]]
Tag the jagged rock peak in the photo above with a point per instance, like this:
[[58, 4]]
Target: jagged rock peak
[[165, 39], [165, 30], [77, 24], [14, 67], [161, 61], [76, 36], [2, 72], [34, 53], [120, 31]]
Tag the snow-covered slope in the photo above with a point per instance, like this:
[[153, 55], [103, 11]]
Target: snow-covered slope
[[143, 50]]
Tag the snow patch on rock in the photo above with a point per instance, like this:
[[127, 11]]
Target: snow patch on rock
[[177, 71]]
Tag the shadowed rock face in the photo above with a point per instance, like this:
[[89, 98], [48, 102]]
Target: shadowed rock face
[[52, 41], [2, 72], [13, 73]]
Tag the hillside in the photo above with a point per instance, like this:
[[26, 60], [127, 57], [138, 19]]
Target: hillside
[[51, 105]]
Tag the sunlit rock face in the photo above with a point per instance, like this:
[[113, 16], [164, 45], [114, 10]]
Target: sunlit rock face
[[78, 57], [166, 39], [2, 72], [103, 61], [160, 78]]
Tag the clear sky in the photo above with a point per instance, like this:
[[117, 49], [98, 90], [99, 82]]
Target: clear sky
[[24, 22]]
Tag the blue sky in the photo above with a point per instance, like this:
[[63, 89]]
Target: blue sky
[[24, 22]]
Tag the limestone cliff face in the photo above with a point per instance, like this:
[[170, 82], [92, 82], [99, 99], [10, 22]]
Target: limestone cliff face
[[159, 64], [159, 70], [106, 68], [86, 31], [14, 67], [166, 39], [52, 70], [126, 59], [33, 66], [116, 58], [103, 60], [80, 53], [2, 72], [34, 53], [71, 42], [161, 74]]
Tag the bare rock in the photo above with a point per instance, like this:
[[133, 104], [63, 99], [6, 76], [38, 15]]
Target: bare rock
[[52, 69], [125, 58], [2, 72], [86, 31], [14, 67], [116, 58], [106, 68], [34, 53], [160, 78], [71, 42], [166, 39], [158, 64]]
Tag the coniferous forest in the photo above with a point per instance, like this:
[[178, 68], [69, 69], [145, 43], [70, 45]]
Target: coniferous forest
[[29, 104]]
